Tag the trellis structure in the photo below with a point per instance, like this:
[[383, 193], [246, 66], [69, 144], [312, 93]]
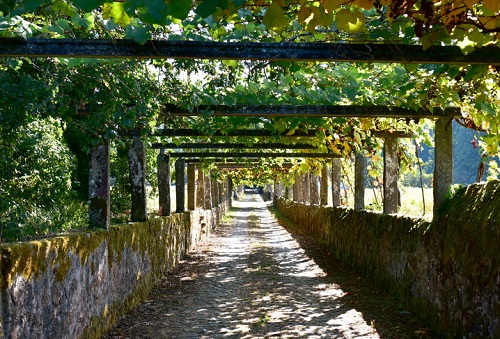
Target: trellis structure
[[99, 166]]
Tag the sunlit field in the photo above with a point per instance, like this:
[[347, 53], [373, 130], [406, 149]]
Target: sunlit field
[[412, 201]]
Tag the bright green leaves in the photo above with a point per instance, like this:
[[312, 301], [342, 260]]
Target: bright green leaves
[[116, 11], [275, 18], [351, 21]]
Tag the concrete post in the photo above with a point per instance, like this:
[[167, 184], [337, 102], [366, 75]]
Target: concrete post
[[99, 190], [180, 189], [336, 181], [163, 162], [359, 182], [324, 185], [191, 173], [137, 170], [443, 161], [391, 167]]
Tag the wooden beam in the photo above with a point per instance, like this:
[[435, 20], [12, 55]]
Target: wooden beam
[[162, 49], [251, 155], [201, 145], [186, 132], [324, 111], [393, 134]]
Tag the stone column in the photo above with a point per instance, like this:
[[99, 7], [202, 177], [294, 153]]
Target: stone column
[[336, 181], [163, 161], [180, 189], [207, 191], [200, 189], [99, 190], [296, 189], [191, 172], [391, 167], [324, 185], [314, 189], [359, 182], [137, 170], [443, 161], [306, 189]]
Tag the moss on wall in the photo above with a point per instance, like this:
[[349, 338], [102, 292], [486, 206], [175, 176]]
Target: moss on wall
[[447, 271], [112, 272]]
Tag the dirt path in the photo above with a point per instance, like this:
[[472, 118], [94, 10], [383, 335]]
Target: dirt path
[[254, 280]]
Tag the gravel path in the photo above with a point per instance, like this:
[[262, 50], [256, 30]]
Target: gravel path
[[253, 279]]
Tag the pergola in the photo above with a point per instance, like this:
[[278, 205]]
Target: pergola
[[327, 52]]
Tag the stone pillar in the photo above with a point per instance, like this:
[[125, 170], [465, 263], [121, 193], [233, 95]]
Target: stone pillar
[[215, 192], [191, 172], [336, 181], [200, 189], [324, 185], [296, 189], [163, 161], [443, 161], [229, 190], [207, 191], [359, 182], [391, 167], [180, 189], [137, 170], [306, 189], [99, 190], [314, 189]]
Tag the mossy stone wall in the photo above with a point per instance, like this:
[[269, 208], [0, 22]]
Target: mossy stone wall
[[446, 271], [76, 286]]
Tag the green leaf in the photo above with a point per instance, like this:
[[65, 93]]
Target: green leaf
[[64, 7], [428, 40], [275, 17], [179, 9], [88, 5], [207, 8], [351, 22], [140, 34], [475, 72], [32, 5], [116, 12]]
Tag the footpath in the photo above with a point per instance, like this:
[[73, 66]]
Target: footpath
[[253, 279]]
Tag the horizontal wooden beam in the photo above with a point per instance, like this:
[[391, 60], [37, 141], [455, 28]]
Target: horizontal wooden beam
[[351, 111], [184, 132], [201, 145], [251, 155], [161, 49], [393, 134]]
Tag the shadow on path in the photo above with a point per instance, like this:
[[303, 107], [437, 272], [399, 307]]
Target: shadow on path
[[254, 280]]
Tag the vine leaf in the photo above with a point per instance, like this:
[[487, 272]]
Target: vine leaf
[[116, 12], [350, 22], [88, 5], [275, 17], [207, 8], [179, 9]]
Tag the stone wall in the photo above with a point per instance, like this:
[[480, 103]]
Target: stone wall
[[76, 286], [447, 271]]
